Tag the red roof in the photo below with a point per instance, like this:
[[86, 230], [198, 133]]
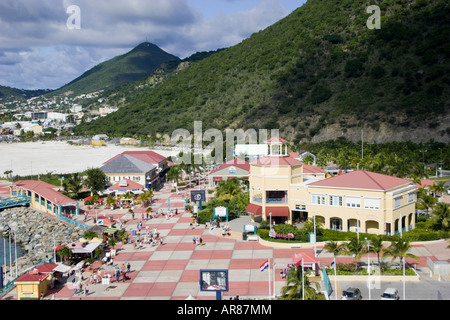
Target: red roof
[[131, 185], [425, 183], [312, 169], [146, 156], [276, 139], [276, 161], [239, 163], [361, 179], [45, 190], [38, 274]]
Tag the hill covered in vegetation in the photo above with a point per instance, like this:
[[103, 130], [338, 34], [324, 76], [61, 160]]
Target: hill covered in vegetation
[[318, 74], [135, 65]]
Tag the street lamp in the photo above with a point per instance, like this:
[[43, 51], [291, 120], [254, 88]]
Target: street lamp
[[368, 265], [270, 217]]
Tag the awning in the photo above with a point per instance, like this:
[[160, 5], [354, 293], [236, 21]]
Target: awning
[[111, 230], [277, 211], [254, 209]]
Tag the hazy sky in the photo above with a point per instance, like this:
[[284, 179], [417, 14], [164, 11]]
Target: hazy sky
[[42, 47]]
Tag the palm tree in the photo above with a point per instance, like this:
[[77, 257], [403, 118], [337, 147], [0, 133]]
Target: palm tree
[[376, 246], [354, 248], [228, 189], [399, 249], [174, 173], [293, 287], [73, 185], [438, 188], [442, 214], [89, 235], [334, 248]]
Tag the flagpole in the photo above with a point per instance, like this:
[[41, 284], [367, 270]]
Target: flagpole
[[273, 277], [335, 285], [303, 282], [270, 287]]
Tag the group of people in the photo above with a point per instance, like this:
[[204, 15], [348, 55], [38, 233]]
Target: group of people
[[151, 237], [198, 241]]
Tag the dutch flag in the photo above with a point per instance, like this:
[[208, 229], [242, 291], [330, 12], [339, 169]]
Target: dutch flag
[[264, 266]]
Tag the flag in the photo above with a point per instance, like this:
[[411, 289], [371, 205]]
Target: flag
[[332, 263], [264, 266]]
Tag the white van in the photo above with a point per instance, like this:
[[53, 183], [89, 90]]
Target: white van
[[390, 294]]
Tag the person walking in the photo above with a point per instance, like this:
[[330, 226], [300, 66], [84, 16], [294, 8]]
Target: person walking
[[128, 267], [86, 290]]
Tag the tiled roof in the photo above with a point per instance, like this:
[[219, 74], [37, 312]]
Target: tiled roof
[[38, 274], [238, 163], [145, 156], [312, 169], [131, 185], [125, 163], [361, 179], [45, 190], [276, 161], [276, 139]]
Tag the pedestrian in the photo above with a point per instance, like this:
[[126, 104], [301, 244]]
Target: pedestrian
[[128, 267], [161, 241], [223, 232], [124, 276], [193, 240], [176, 211], [86, 290]]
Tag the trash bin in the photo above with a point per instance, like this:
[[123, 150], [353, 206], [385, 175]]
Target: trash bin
[[244, 235]]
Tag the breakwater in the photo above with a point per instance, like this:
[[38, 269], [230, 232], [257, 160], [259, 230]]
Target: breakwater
[[36, 233]]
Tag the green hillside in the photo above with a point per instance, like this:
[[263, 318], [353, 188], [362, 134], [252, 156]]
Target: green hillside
[[132, 66], [8, 93], [319, 69]]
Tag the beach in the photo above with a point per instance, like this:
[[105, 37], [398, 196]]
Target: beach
[[33, 158]]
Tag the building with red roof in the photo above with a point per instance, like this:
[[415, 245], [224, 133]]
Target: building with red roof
[[284, 189], [236, 168], [31, 285], [45, 197], [146, 168]]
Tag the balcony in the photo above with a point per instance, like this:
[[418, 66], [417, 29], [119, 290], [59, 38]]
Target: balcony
[[276, 200], [257, 200]]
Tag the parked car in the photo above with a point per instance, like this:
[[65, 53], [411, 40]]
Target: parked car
[[390, 294], [351, 294]]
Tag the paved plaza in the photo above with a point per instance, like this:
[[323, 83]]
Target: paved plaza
[[171, 271]]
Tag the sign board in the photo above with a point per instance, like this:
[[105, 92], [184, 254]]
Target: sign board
[[198, 195], [221, 212], [213, 280], [249, 228], [300, 207]]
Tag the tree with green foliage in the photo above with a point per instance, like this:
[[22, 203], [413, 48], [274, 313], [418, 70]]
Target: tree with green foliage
[[399, 249], [441, 213], [96, 180], [293, 289], [354, 248]]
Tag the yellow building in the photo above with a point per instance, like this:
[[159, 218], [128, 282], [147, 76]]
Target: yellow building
[[35, 283], [285, 189]]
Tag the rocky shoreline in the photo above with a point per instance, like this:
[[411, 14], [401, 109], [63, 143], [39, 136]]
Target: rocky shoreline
[[35, 232]]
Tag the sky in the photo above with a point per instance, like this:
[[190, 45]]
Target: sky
[[45, 44]]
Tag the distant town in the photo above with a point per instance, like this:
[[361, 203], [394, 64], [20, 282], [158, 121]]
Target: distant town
[[47, 116]]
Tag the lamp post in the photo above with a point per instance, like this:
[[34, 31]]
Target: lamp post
[[270, 217], [368, 265]]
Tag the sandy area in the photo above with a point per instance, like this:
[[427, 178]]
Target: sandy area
[[32, 158]]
